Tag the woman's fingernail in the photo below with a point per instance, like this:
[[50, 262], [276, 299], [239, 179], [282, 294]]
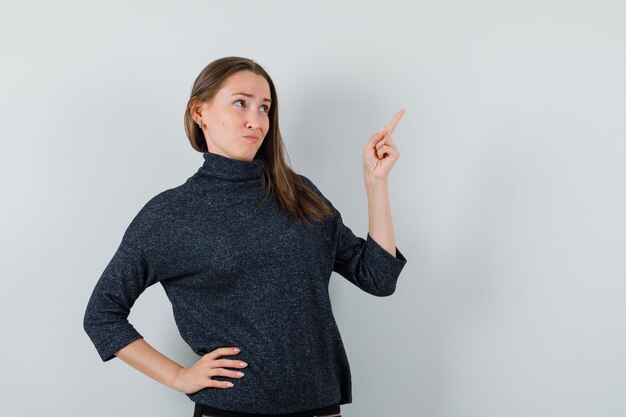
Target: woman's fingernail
[[236, 349]]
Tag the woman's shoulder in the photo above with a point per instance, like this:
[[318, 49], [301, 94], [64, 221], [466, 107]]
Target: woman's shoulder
[[156, 210], [163, 199], [310, 184]]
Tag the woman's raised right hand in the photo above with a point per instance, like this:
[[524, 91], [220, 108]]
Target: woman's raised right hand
[[198, 375]]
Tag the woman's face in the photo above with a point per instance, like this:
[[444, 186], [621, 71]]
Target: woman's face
[[240, 109]]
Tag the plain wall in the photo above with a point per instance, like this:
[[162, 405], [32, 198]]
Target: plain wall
[[508, 198]]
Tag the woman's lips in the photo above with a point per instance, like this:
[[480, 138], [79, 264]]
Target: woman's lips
[[251, 138]]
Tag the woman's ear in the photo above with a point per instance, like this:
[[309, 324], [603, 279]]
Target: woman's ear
[[197, 108]]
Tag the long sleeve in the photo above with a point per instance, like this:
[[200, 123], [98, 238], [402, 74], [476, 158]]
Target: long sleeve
[[361, 261], [365, 263], [126, 276]]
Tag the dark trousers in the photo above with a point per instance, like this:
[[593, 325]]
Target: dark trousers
[[202, 410]]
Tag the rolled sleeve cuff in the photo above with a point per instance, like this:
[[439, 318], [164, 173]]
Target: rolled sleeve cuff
[[387, 265], [116, 341]]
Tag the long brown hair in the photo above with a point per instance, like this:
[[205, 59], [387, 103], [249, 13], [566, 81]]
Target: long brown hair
[[293, 195]]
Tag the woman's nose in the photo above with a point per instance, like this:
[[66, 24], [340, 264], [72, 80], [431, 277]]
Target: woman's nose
[[253, 121]]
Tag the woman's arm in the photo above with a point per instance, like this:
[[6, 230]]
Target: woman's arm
[[379, 155], [149, 361], [363, 261], [379, 211]]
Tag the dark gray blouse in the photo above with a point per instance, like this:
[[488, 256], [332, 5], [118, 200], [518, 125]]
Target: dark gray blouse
[[239, 271]]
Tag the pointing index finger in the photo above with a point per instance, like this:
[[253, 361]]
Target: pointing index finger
[[394, 121]]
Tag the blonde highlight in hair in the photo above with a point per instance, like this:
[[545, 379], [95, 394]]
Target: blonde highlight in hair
[[293, 195]]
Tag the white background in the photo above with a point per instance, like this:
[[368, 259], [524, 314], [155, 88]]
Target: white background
[[508, 199]]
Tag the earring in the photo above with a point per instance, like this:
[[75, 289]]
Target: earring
[[200, 125]]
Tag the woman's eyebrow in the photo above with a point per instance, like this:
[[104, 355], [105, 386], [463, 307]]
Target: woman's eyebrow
[[251, 95]]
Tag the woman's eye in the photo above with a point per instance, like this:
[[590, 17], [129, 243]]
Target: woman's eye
[[267, 109]]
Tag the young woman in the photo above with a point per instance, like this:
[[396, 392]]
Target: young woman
[[244, 250]]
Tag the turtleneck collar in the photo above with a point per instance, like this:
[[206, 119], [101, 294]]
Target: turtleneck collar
[[223, 167]]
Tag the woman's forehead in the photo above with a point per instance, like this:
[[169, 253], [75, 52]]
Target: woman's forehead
[[248, 83]]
